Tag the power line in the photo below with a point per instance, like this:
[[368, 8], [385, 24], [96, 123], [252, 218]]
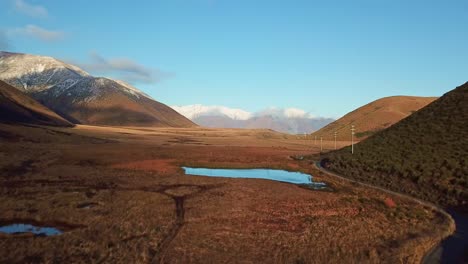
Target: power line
[[335, 138]]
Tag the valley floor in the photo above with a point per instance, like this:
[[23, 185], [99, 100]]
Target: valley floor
[[121, 197]]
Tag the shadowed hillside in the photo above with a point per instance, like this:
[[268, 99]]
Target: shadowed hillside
[[424, 155], [373, 117], [17, 107]]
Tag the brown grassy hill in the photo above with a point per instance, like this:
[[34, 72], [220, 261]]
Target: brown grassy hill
[[424, 155], [373, 117], [17, 107]]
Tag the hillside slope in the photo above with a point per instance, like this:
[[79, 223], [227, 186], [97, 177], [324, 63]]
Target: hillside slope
[[17, 107], [424, 155], [373, 117], [82, 98]]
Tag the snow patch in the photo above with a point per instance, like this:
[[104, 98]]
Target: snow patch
[[39, 68], [36, 70]]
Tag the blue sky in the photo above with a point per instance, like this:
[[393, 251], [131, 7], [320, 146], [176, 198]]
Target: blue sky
[[326, 57]]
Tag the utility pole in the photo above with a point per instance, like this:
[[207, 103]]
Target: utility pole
[[321, 144], [335, 139], [352, 139]]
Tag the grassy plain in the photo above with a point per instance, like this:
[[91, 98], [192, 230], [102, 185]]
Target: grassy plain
[[121, 197]]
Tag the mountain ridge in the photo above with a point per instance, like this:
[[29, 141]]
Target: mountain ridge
[[288, 120]]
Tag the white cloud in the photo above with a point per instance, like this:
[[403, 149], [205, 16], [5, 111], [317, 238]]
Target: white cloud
[[30, 9], [38, 33], [123, 68]]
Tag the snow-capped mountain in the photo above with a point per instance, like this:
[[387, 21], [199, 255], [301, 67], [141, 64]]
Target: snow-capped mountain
[[197, 110], [31, 73], [82, 98], [289, 120]]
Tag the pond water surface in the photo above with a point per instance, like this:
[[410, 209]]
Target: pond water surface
[[28, 228], [276, 175], [453, 249]]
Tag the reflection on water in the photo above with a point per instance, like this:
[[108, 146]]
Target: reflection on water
[[276, 175], [27, 228]]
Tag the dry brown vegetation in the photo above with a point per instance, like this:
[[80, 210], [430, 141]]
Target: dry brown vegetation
[[373, 117], [121, 197]]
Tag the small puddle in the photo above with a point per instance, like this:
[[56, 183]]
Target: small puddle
[[87, 205], [275, 175], [20, 228]]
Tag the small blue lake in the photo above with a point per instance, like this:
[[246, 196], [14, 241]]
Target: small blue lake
[[27, 228], [275, 175]]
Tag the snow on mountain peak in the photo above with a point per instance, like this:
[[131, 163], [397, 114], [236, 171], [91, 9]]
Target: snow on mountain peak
[[14, 65], [33, 73], [286, 120], [197, 110]]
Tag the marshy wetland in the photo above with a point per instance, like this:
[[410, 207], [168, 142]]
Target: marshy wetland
[[128, 199]]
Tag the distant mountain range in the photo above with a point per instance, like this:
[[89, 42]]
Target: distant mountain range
[[424, 155], [81, 98], [290, 120], [17, 107], [373, 117]]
